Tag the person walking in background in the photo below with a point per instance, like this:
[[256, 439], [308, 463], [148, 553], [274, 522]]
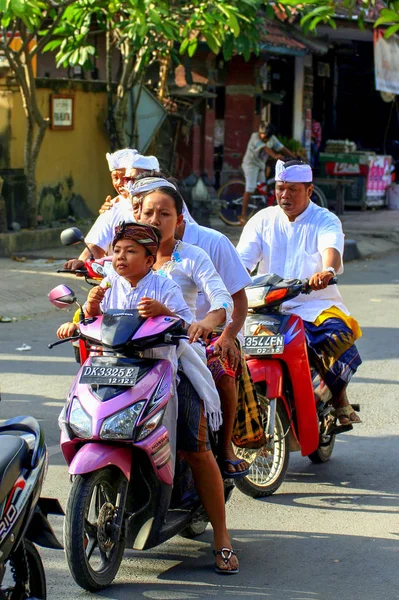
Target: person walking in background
[[262, 144], [316, 142]]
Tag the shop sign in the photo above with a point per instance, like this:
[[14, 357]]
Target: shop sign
[[61, 112], [386, 62], [379, 177], [346, 169]]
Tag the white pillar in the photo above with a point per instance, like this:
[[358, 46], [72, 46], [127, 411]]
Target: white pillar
[[298, 114]]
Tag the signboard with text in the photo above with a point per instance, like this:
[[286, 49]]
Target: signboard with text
[[62, 112]]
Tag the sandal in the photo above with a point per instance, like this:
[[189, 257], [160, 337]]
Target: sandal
[[234, 474], [226, 554], [346, 415]]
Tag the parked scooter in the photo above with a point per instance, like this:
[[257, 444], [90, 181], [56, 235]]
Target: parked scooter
[[23, 513], [117, 435], [296, 403]]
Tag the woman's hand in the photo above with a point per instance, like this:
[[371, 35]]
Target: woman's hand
[[66, 330], [148, 307], [94, 299], [197, 330], [226, 347]]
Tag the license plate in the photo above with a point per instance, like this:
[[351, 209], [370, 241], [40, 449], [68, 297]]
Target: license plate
[[110, 375], [263, 344]]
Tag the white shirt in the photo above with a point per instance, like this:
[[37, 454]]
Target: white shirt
[[103, 230], [255, 154], [123, 295], [193, 271], [294, 250], [224, 257]]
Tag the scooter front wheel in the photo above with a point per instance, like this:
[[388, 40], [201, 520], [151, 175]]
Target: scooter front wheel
[[267, 467], [93, 545]]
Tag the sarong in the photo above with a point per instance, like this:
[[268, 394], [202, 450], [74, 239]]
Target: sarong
[[248, 429], [332, 352]]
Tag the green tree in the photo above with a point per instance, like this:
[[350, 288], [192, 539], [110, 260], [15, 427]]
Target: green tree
[[35, 23], [156, 31]]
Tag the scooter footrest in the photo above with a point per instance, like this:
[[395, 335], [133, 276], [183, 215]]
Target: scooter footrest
[[341, 429]]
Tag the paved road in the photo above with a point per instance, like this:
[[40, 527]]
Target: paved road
[[331, 532]]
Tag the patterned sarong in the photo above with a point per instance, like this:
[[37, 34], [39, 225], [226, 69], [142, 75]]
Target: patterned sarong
[[248, 428], [332, 352]]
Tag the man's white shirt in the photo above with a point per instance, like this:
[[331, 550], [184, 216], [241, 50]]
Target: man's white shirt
[[293, 250], [224, 257], [103, 230]]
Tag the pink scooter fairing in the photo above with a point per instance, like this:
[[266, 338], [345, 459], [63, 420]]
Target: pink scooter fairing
[[114, 387]]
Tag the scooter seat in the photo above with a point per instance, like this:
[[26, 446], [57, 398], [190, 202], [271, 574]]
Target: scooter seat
[[14, 453]]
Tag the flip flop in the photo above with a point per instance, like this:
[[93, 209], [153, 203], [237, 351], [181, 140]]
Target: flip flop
[[235, 474], [346, 415], [226, 554]]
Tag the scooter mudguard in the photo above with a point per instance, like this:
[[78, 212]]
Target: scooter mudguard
[[271, 372], [92, 457]]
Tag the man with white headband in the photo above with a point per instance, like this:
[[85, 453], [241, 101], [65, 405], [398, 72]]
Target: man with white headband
[[124, 166], [296, 240]]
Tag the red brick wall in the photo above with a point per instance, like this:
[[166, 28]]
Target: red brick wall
[[208, 128]]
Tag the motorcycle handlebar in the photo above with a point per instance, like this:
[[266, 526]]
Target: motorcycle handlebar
[[73, 272], [73, 338], [306, 289]]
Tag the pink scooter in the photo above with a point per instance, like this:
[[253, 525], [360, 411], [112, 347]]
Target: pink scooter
[[117, 435]]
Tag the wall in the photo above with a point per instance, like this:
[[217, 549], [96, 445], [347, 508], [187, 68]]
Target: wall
[[71, 161]]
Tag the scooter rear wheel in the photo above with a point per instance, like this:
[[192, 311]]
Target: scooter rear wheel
[[267, 468], [37, 578], [93, 555]]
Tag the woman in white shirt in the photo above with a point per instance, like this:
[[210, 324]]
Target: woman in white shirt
[[191, 268]]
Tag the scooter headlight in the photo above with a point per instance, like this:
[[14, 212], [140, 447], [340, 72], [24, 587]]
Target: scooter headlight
[[79, 420], [120, 425]]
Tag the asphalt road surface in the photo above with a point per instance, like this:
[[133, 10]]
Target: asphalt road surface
[[330, 532]]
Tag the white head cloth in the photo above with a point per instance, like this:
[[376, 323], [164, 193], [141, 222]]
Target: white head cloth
[[135, 188], [294, 173], [148, 163], [121, 159]]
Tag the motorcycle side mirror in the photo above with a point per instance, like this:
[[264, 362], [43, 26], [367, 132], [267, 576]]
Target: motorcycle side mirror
[[71, 236], [62, 296]]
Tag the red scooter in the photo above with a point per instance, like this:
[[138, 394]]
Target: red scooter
[[295, 402]]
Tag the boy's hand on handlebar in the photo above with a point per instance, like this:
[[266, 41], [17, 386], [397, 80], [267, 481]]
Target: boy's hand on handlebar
[[148, 307], [319, 281], [66, 330], [73, 264]]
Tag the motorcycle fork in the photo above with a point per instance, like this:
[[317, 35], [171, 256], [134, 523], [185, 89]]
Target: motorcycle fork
[[120, 506], [271, 421]]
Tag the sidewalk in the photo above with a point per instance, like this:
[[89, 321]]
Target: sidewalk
[[24, 285]]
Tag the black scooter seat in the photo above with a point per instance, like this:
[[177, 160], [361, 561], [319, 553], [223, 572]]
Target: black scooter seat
[[14, 453]]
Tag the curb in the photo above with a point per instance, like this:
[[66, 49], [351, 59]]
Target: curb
[[351, 251]]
